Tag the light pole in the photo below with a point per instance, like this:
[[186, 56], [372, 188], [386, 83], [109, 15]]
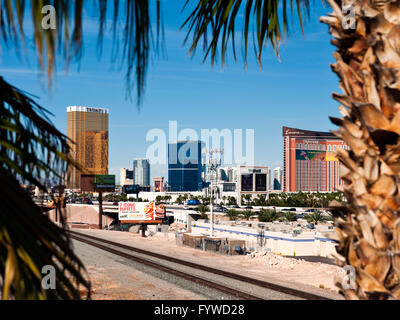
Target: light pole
[[74, 169], [213, 164]]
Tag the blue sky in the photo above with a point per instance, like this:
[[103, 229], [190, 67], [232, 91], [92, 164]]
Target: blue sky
[[295, 92]]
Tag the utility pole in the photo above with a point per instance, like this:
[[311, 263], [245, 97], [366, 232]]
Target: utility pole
[[100, 210], [213, 164]]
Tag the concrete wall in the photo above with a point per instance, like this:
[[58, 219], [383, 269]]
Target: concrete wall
[[80, 213], [151, 196], [305, 244]]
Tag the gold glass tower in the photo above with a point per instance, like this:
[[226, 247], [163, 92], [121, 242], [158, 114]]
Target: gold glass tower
[[88, 128]]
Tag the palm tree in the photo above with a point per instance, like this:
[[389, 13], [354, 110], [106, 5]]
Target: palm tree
[[260, 200], [290, 216], [32, 148], [202, 209], [367, 62], [232, 201], [232, 214], [248, 198], [268, 215], [247, 214], [315, 217], [224, 200], [368, 59]]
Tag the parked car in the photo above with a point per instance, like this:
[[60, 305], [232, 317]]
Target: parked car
[[236, 206], [249, 207], [193, 202], [87, 201], [114, 225]]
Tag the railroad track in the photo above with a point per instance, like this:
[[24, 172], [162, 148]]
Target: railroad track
[[126, 252]]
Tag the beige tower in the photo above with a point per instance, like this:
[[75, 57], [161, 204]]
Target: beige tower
[[88, 128]]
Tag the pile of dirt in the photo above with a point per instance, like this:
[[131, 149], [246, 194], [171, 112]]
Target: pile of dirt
[[177, 227], [275, 261]]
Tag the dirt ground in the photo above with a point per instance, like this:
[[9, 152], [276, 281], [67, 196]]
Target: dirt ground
[[112, 280], [295, 272]]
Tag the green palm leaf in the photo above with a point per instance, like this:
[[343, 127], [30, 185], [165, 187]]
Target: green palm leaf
[[68, 41], [32, 150], [216, 19]]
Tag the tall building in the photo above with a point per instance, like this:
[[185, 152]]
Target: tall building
[[277, 183], [88, 129], [185, 166], [308, 161], [253, 181], [141, 172], [126, 177]]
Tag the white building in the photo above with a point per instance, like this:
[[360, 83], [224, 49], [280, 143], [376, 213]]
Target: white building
[[253, 180], [126, 177]]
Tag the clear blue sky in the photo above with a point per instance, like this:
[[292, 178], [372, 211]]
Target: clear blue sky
[[295, 92]]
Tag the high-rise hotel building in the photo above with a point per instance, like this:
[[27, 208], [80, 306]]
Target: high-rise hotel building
[[309, 163], [186, 166], [141, 172], [88, 129]]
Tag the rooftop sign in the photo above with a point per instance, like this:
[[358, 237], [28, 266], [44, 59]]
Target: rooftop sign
[[88, 109], [293, 132]]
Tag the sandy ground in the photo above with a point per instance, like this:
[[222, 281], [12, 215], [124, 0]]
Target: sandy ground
[[112, 280], [295, 272]]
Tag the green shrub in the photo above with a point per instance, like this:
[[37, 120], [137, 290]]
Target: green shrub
[[315, 217], [232, 214], [290, 216], [247, 214], [268, 215]]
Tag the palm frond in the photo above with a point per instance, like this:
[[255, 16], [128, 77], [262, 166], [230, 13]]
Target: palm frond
[[67, 39], [32, 152], [31, 148], [28, 242], [217, 19]]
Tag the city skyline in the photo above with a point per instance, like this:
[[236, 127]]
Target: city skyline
[[173, 89]]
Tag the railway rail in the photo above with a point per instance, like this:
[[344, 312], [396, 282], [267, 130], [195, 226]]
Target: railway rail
[[128, 252]]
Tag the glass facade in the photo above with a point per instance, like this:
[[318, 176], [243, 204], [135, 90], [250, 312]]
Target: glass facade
[[185, 166], [141, 172], [87, 128]]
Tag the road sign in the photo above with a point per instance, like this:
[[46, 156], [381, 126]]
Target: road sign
[[104, 183]]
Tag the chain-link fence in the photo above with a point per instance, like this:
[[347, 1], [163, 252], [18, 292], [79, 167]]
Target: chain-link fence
[[218, 245]]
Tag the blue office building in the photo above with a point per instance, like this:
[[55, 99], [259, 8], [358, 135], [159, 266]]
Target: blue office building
[[186, 166]]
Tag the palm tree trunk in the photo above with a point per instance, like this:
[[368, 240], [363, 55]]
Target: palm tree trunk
[[368, 65]]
